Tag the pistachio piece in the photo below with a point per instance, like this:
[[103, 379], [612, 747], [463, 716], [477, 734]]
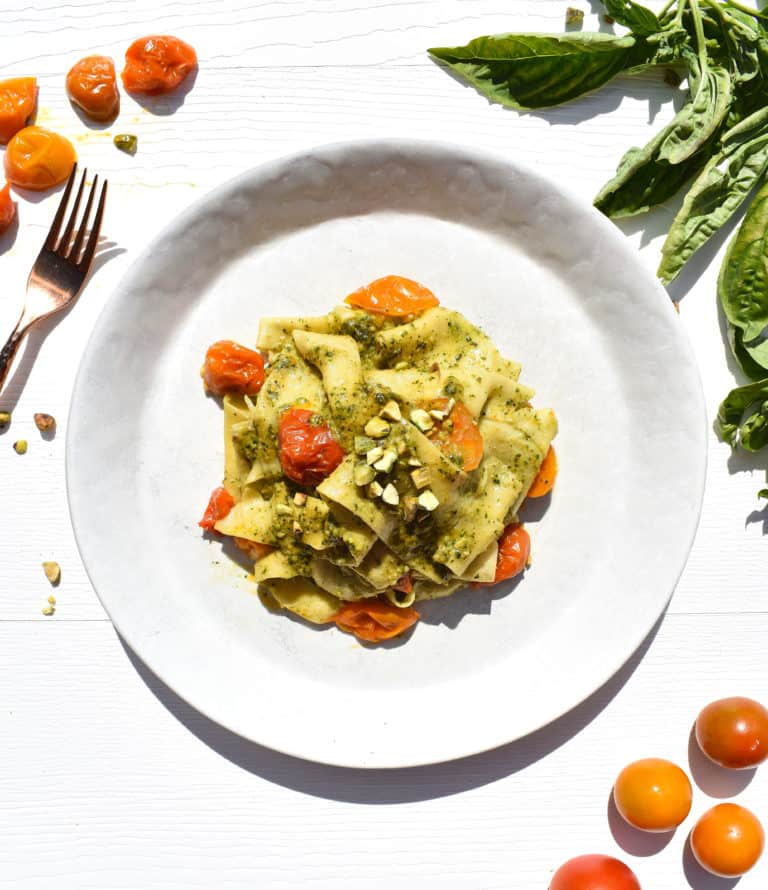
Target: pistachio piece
[[401, 447], [410, 506], [421, 419], [374, 490], [20, 447], [421, 477], [363, 474], [390, 495], [5, 418], [363, 444], [377, 428], [374, 454], [45, 422], [297, 529], [48, 611], [300, 499], [428, 501], [385, 463], [450, 406], [52, 571], [414, 462], [391, 411]]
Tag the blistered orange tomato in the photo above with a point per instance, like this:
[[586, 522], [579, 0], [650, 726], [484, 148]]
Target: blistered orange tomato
[[594, 872], [545, 478], [92, 86], [514, 553], [458, 435], [374, 620], [38, 159], [157, 64], [7, 207], [727, 840], [17, 104], [230, 367], [733, 732], [393, 295], [653, 794]]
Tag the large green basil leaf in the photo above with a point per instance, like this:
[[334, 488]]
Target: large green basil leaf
[[641, 20], [751, 432], [752, 359], [528, 71], [718, 192]]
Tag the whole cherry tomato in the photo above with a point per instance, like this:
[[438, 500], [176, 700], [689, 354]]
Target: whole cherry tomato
[[38, 159], [157, 64], [393, 295], [307, 448], [230, 367], [17, 104], [594, 872], [727, 840], [653, 794], [545, 478], [220, 503], [92, 86], [733, 732], [7, 207]]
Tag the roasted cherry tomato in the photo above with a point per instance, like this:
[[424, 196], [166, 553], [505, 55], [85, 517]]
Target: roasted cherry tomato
[[727, 840], [92, 86], [734, 732], [594, 872], [545, 478], [38, 159], [7, 207], [308, 449], [230, 367], [458, 435], [157, 64], [374, 620], [393, 295], [220, 503], [17, 105], [653, 794]]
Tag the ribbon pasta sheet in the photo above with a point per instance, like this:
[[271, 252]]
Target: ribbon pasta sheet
[[406, 514]]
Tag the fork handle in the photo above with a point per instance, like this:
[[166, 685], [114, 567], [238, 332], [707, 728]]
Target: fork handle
[[8, 352]]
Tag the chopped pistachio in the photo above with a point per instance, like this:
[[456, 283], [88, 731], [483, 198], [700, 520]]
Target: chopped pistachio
[[126, 142], [428, 501], [374, 454], [283, 510], [421, 419], [52, 600], [374, 490], [52, 571], [410, 506], [574, 17], [421, 477], [414, 462], [450, 406], [48, 610], [363, 444], [5, 418], [401, 447], [363, 474], [385, 463], [391, 411], [300, 499], [20, 447], [297, 529], [377, 428], [390, 495], [45, 422], [437, 414]]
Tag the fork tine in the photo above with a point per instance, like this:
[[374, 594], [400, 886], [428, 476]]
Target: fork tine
[[74, 251], [93, 238], [61, 248], [50, 241]]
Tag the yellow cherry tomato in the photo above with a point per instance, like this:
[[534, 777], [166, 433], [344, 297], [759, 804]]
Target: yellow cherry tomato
[[653, 794], [728, 840], [38, 159]]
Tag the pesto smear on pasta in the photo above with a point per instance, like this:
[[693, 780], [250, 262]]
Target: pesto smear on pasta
[[375, 456]]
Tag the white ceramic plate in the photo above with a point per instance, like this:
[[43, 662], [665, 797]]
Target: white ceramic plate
[[557, 288]]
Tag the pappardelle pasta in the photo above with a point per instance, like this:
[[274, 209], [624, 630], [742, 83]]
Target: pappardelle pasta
[[375, 457]]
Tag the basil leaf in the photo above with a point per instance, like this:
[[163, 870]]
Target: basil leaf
[[718, 192], [638, 18], [752, 359], [527, 71], [743, 283], [751, 433]]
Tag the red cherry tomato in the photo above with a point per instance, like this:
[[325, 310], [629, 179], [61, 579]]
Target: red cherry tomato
[[220, 503], [733, 732], [594, 872], [7, 207], [307, 447], [230, 367], [653, 794], [157, 64], [728, 840]]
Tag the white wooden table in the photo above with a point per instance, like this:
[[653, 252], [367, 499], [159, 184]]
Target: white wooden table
[[107, 779]]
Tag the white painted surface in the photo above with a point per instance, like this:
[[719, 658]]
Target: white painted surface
[[107, 780]]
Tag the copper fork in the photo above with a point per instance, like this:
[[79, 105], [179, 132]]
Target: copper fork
[[61, 267]]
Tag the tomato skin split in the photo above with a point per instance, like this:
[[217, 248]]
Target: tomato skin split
[[307, 448], [232, 368], [374, 620], [92, 86], [157, 64]]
